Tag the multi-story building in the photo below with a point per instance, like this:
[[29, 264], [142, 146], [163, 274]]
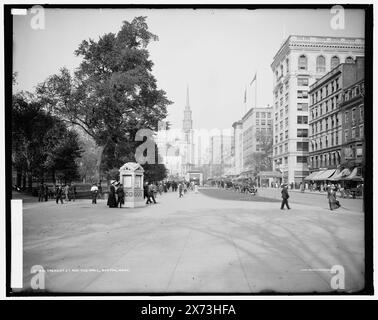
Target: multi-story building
[[326, 123], [188, 152], [220, 153], [256, 122], [237, 147], [300, 61], [352, 111]]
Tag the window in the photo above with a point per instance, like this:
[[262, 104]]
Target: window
[[346, 135], [353, 114], [262, 114], [361, 130], [263, 122], [353, 133], [302, 119], [270, 122], [281, 125], [281, 136], [286, 122], [287, 134], [320, 64], [301, 159], [276, 139], [257, 114], [349, 60], [302, 81], [346, 116], [269, 115], [302, 62], [302, 133], [302, 106], [285, 160], [286, 147], [257, 121], [335, 61], [302, 146], [281, 149], [287, 66], [276, 116], [361, 113], [302, 94]]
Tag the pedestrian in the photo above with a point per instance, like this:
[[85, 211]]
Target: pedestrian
[[94, 192], [181, 189], [59, 194], [332, 200], [285, 197], [146, 193], [120, 195], [112, 201], [41, 189], [67, 192], [152, 192]]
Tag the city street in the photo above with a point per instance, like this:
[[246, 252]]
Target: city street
[[199, 243]]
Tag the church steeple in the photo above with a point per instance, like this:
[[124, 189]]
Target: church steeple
[[187, 106], [187, 123]]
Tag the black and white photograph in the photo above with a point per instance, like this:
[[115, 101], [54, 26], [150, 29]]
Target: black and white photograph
[[188, 150]]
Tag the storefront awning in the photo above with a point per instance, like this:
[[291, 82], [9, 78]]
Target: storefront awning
[[325, 175], [313, 175], [353, 176], [341, 175]]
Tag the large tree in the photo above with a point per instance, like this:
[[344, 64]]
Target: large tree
[[41, 143], [112, 94]]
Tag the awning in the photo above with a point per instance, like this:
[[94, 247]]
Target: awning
[[353, 176], [341, 175], [313, 175], [325, 175]]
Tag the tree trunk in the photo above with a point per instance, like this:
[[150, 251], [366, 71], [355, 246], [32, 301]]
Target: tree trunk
[[19, 178], [30, 182], [24, 180]]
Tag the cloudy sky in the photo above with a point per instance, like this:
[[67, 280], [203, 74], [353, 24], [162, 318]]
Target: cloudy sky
[[215, 52]]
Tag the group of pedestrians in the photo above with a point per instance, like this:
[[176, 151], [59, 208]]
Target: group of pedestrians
[[65, 191], [116, 196], [331, 196]]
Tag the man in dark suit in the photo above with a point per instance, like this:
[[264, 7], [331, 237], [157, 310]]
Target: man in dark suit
[[285, 197]]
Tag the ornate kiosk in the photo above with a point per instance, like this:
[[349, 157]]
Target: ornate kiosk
[[131, 176]]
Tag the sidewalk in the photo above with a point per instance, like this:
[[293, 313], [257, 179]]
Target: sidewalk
[[193, 244]]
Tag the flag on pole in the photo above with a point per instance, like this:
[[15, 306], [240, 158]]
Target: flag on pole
[[253, 80]]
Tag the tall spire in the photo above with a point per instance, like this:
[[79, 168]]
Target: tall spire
[[187, 106]]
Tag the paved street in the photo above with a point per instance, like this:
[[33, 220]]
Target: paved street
[[194, 244]]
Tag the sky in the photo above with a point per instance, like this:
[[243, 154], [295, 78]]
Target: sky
[[215, 52]]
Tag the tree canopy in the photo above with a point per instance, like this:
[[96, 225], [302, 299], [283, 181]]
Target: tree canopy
[[112, 94]]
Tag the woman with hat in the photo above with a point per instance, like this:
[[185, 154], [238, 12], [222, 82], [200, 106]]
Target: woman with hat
[[112, 201]]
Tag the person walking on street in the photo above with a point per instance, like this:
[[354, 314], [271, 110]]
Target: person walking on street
[[332, 200], [181, 189], [41, 190], [146, 193], [151, 191], [59, 194], [94, 192], [120, 195], [285, 197], [67, 192]]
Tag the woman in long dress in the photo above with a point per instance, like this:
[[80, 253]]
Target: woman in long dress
[[331, 195], [112, 201]]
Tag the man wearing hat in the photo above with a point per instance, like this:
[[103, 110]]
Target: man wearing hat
[[285, 197]]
